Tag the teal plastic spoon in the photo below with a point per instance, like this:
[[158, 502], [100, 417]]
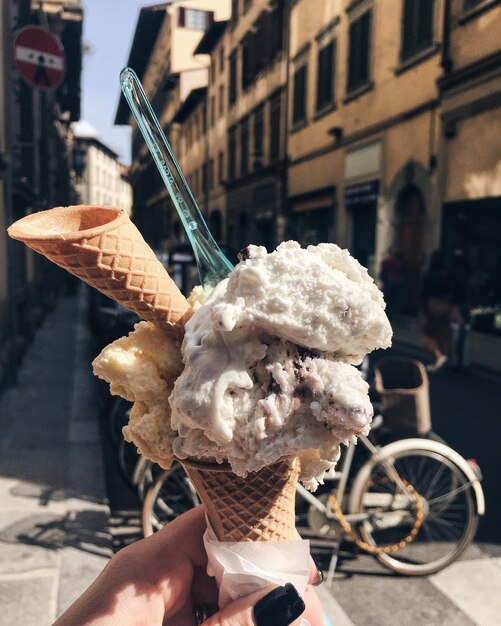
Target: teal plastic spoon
[[213, 266]]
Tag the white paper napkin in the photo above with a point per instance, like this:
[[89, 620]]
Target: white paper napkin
[[240, 568]]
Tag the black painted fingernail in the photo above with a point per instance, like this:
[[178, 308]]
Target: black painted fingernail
[[280, 607], [320, 574]]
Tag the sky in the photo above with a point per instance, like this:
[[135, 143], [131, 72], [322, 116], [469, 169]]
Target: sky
[[108, 31]]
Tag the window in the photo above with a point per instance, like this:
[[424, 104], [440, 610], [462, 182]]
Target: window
[[203, 119], [275, 127], [244, 146], [211, 173], [326, 70], [232, 93], [277, 25], [205, 178], [299, 91], [247, 61], [258, 137], [247, 5], [255, 52], [195, 182], [221, 100], [232, 152], [194, 18], [196, 128], [212, 111], [234, 10], [221, 59], [359, 53], [417, 27], [220, 167]]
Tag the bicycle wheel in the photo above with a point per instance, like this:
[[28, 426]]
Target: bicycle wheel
[[171, 494], [127, 455], [118, 417], [447, 501]]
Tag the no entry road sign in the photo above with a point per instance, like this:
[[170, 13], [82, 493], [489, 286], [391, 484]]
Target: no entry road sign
[[39, 57]]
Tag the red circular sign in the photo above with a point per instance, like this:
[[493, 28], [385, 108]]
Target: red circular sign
[[39, 57]]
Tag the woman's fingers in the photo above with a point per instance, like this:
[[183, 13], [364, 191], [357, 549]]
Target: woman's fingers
[[278, 606], [316, 574], [273, 606]]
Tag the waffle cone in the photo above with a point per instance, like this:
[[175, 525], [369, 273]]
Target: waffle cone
[[102, 246], [259, 507]]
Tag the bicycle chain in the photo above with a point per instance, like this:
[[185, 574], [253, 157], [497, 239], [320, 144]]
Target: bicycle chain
[[394, 547]]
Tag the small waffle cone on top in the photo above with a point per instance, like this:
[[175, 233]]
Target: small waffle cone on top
[[259, 507], [102, 246]]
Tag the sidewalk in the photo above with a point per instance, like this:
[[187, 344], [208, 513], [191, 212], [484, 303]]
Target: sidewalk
[[53, 509]]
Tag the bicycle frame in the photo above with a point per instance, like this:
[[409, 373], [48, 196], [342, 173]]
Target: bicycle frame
[[343, 475]]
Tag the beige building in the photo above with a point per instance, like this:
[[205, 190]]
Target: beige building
[[162, 56], [35, 167], [364, 128], [256, 63], [101, 179], [191, 117], [214, 43], [232, 133], [363, 122], [471, 151]]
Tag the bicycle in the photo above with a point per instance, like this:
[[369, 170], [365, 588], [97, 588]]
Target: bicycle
[[137, 472], [414, 504]]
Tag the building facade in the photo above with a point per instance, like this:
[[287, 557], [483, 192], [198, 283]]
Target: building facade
[[162, 56], [470, 150], [371, 124], [255, 43], [100, 178], [363, 142], [35, 166], [214, 44]]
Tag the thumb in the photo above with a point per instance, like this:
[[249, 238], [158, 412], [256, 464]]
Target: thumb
[[278, 606]]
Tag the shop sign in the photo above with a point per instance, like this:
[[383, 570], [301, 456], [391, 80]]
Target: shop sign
[[363, 193]]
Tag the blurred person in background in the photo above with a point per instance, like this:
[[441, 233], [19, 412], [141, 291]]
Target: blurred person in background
[[438, 299], [392, 277]]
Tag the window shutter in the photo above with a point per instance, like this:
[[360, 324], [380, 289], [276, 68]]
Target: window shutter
[[333, 69], [364, 46], [425, 24], [181, 20], [358, 64], [299, 108]]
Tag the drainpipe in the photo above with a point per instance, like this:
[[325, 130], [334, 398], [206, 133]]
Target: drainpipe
[[207, 150], [285, 166]]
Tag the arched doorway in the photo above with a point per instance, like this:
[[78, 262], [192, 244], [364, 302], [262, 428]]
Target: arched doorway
[[410, 214]]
